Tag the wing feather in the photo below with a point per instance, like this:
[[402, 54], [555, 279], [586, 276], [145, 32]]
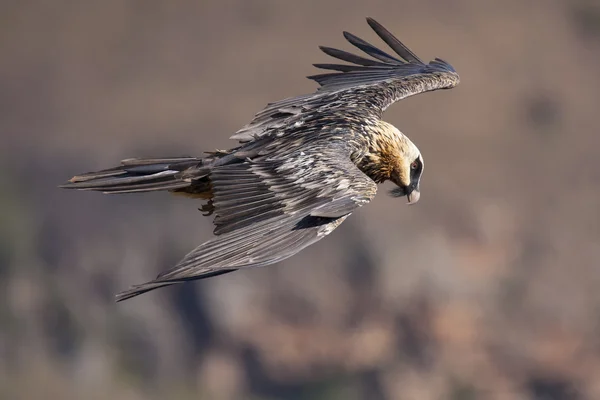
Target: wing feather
[[343, 67], [370, 49], [349, 57], [393, 42]]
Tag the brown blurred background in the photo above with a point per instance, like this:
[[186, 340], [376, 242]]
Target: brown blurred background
[[487, 289]]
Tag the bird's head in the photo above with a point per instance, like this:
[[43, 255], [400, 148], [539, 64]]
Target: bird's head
[[407, 171], [392, 156]]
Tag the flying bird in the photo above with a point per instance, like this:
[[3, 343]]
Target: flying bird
[[300, 167]]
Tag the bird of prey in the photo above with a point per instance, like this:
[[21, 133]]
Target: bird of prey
[[300, 167]]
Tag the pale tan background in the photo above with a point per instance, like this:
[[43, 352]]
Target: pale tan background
[[487, 289]]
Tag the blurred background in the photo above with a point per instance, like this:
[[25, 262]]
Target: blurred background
[[487, 289]]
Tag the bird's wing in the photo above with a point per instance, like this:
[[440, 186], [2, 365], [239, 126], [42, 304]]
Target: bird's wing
[[269, 210], [381, 82], [366, 85]]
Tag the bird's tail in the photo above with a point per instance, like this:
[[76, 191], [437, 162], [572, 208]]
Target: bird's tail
[[182, 174]]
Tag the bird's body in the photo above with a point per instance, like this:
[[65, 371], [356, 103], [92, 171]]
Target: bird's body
[[302, 166]]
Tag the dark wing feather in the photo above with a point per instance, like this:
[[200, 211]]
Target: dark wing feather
[[269, 210], [370, 49], [342, 67], [349, 57], [393, 42], [367, 85]]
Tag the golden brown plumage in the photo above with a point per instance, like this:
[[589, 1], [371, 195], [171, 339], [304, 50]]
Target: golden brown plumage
[[389, 155], [302, 166]]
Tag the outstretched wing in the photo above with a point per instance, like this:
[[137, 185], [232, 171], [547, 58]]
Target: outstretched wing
[[270, 209], [365, 86]]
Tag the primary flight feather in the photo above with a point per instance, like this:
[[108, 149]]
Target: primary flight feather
[[301, 167]]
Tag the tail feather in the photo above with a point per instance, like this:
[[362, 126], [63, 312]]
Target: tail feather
[[142, 175]]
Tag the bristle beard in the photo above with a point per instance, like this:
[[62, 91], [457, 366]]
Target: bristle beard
[[397, 192]]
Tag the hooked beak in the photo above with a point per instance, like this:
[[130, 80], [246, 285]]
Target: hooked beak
[[413, 196]]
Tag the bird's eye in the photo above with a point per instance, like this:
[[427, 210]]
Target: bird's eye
[[414, 165]]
